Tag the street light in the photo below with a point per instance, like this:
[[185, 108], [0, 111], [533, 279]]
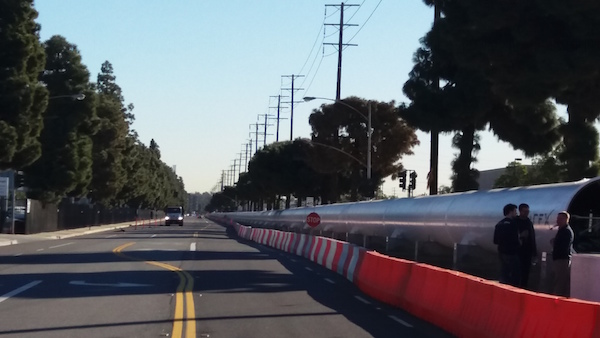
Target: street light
[[369, 131], [336, 149], [77, 97]]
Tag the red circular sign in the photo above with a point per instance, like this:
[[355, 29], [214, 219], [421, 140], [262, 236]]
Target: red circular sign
[[313, 219]]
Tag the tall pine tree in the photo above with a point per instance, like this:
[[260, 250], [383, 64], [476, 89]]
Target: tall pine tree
[[110, 141], [65, 167], [530, 51], [22, 97]]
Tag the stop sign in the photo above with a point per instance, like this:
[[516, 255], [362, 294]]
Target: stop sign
[[313, 219]]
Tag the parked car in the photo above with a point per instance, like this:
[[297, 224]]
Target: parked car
[[19, 219]]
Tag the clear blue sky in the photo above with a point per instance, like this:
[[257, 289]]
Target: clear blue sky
[[199, 72]]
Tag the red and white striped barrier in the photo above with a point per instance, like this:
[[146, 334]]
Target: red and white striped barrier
[[341, 257]]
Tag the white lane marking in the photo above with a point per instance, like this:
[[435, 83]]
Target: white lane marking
[[193, 246], [19, 290], [40, 250], [153, 236], [307, 268], [362, 299], [17, 255], [58, 246], [400, 321], [111, 236], [329, 280]]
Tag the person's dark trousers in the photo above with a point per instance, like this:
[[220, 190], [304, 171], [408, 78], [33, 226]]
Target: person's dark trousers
[[510, 269], [525, 265], [562, 272]]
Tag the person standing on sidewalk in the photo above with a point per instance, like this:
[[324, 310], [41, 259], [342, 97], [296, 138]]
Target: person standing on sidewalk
[[561, 254], [528, 249], [506, 236]]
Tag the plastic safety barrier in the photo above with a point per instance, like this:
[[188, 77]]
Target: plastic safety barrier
[[463, 305]]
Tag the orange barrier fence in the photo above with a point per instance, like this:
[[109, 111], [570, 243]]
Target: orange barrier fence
[[461, 304], [383, 278], [468, 306]]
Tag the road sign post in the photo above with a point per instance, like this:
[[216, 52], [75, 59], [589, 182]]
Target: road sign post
[[313, 219]]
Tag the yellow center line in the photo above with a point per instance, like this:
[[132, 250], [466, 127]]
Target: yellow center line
[[186, 285], [190, 323]]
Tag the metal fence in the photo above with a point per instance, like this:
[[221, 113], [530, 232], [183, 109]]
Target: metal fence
[[66, 215]]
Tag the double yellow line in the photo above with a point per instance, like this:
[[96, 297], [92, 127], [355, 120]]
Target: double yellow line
[[182, 296]]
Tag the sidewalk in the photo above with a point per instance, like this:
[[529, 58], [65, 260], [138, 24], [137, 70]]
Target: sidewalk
[[8, 239]]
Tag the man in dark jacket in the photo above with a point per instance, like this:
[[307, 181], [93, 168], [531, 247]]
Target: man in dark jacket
[[506, 236], [528, 249], [561, 254]]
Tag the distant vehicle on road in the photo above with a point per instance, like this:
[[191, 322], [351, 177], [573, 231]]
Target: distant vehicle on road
[[174, 215], [19, 218]]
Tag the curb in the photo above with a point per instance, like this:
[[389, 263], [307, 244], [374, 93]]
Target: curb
[[9, 242], [47, 236], [89, 232]]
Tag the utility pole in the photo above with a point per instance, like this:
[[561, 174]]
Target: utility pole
[[233, 176], [266, 124], [246, 157], [222, 180], [278, 114], [256, 133], [340, 45], [292, 90], [240, 167], [435, 136]]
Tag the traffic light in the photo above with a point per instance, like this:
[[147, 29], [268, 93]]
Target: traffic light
[[402, 179], [413, 180]]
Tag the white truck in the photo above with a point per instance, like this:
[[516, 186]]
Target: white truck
[[174, 215]]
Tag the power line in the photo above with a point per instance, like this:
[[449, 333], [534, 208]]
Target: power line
[[358, 9], [365, 23], [313, 47], [293, 89], [315, 75]]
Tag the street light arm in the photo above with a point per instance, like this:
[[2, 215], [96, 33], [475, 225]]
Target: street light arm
[[338, 150], [77, 97], [310, 98]]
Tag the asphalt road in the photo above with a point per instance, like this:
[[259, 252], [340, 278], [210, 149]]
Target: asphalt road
[[198, 280]]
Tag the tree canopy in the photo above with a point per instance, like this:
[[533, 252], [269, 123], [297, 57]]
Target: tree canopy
[[447, 96], [23, 98], [110, 141], [65, 165], [543, 170], [343, 126], [532, 51], [335, 158]]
